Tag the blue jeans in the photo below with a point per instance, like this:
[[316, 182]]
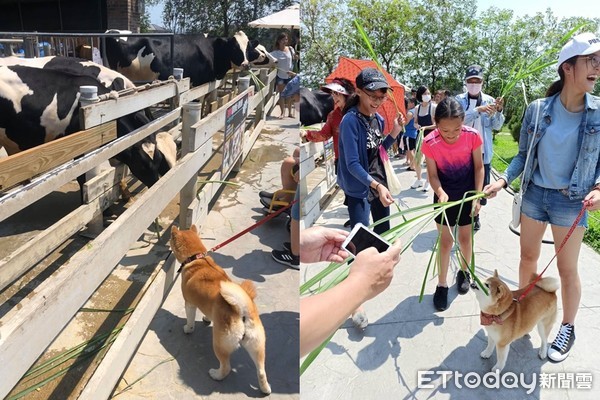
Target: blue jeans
[[359, 210], [551, 205]]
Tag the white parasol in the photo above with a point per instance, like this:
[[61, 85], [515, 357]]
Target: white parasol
[[288, 18]]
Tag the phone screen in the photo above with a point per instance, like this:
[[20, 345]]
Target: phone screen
[[363, 239]]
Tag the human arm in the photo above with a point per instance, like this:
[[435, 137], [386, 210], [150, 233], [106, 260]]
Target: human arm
[[327, 131], [409, 115], [517, 165], [319, 243], [321, 314], [415, 113], [434, 180], [351, 132]]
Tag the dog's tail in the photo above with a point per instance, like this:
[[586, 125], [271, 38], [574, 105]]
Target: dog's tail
[[548, 284], [239, 297]]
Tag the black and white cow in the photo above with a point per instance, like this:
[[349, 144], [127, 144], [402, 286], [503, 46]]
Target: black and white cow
[[40, 105], [315, 105], [110, 79], [203, 59]]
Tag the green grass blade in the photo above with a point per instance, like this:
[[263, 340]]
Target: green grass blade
[[313, 355]]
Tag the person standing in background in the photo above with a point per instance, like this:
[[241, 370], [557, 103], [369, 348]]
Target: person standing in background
[[285, 56], [483, 113], [423, 117]]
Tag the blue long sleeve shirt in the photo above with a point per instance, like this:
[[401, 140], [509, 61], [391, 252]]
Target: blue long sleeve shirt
[[353, 166]]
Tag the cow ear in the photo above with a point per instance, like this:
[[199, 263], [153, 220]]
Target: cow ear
[[254, 43]]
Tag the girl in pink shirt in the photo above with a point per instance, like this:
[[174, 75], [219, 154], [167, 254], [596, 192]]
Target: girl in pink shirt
[[454, 167]]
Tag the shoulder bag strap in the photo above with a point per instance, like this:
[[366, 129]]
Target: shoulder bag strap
[[537, 118]]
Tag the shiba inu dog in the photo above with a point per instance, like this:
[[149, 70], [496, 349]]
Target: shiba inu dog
[[506, 319], [228, 305]]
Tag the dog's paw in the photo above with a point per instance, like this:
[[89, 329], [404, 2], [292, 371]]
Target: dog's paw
[[543, 352], [266, 388], [486, 354], [497, 368], [188, 329], [205, 320], [215, 374]]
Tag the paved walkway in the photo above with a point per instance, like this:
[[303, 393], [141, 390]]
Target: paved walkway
[[405, 337], [185, 376]]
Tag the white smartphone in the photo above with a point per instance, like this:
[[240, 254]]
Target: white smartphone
[[362, 238]]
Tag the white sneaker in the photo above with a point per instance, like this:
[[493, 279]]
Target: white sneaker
[[418, 183], [425, 187]]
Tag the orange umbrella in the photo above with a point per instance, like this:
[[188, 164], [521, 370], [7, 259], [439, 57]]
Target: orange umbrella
[[349, 68]]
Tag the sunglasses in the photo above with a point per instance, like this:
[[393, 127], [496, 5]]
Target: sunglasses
[[594, 60]]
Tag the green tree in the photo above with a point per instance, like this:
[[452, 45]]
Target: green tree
[[443, 31], [387, 24], [216, 17], [324, 38]]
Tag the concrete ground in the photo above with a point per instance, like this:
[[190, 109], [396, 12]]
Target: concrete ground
[[406, 339], [174, 365]]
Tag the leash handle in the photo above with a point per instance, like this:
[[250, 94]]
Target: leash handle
[[256, 225], [586, 204]]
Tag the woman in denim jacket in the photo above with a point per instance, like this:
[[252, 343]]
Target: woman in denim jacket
[[562, 171]]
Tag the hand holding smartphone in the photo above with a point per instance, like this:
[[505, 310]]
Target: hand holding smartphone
[[362, 238]]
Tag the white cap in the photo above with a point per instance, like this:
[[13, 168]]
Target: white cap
[[335, 87], [580, 45]]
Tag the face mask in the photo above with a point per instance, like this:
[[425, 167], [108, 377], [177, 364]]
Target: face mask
[[474, 88], [426, 98]]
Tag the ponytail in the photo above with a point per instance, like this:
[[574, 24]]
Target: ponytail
[[352, 101], [554, 88], [557, 86]]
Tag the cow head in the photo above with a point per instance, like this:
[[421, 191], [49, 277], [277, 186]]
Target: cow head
[[242, 53], [150, 158], [265, 59]]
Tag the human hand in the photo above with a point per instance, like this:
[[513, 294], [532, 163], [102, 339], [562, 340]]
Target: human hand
[[593, 199], [493, 188], [442, 196], [373, 271], [384, 195], [499, 104], [417, 126], [489, 109], [476, 208], [319, 243], [399, 122]]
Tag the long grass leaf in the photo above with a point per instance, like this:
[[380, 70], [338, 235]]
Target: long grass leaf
[[313, 355]]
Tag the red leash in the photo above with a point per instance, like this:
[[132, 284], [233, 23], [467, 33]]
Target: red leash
[[256, 225], [586, 204]]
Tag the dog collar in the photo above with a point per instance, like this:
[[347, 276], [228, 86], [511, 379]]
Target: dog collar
[[488, 319], [192, 258]]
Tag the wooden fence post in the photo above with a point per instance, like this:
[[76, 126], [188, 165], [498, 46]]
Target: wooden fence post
[[191, 114]]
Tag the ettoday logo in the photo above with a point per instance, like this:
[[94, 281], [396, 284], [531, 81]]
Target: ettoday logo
[[507, 380]]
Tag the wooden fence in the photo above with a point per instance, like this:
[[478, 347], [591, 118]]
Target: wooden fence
[[27, 330], [317, 182]]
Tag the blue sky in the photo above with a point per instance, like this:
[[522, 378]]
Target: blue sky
[[560, 8]]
